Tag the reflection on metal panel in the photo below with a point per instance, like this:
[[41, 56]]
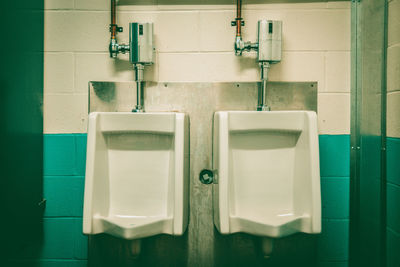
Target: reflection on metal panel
[[121, 96], [201, 245], [368, 188]]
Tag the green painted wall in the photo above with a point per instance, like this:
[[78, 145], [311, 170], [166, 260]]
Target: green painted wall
[[393, 202], [64, 169]]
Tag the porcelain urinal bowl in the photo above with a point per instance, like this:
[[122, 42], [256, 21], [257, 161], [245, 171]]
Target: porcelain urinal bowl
[[137, 168], [267, 169]]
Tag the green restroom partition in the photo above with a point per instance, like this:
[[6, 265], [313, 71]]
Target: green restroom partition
[[21, 126], [368, 134]]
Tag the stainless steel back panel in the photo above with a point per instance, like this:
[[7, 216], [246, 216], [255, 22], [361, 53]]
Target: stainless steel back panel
[[201, 245]]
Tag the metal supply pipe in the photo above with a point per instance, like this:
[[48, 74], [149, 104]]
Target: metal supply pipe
[[113, 25], [139, 105], [140, 48], [240, 45], [115, 48], [238, 22], [262, 92], [139, 73], [238, 18]]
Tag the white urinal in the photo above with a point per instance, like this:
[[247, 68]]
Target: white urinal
[[267, 166], [136, 174]]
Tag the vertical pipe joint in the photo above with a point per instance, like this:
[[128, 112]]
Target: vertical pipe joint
[[139, 76], [239, 19], [262, 91], [114, 48], [113, 24], [238, 22]]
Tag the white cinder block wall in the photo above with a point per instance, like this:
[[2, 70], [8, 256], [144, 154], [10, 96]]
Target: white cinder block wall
[[393, 79], [194, 43]]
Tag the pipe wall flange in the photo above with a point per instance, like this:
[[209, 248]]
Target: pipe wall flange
[[208, 176]]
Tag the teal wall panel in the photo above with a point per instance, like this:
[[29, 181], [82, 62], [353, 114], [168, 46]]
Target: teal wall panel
[[334, 240], [393, 208], [62, 238], [80, 141], [59, 238], [335, 193], [393, 248], [65, 156], [80, 242], [59, 154], [393, 160], [63, 243], [64, 196], [393, 201], [334, 153], [333, 243]]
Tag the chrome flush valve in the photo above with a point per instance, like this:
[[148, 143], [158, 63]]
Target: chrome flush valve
[[141, 53]]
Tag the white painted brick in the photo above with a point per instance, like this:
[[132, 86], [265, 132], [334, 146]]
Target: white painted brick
[[337, 72], [394, 23], [65, 113], [135, 5], [300, 66], [305, 30], [177, 31], [393, 114], [58, 4], [182, 67], [136, 2], [93, 4], [173, 31], [194, 4], [58, 73], [164, 7], [185, 2], [393, 68], [283, 6], [216, 32], [229, 5], [339, 5], [334, 113], [76, 31], [313, 33], [207, 67], [100, 67]]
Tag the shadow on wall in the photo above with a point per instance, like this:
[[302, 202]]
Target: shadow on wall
[[165, 250], [245, 250], [160, 250]]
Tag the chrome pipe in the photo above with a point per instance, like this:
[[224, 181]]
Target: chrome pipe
[[139, 97], [139, 76], [262, 91]]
